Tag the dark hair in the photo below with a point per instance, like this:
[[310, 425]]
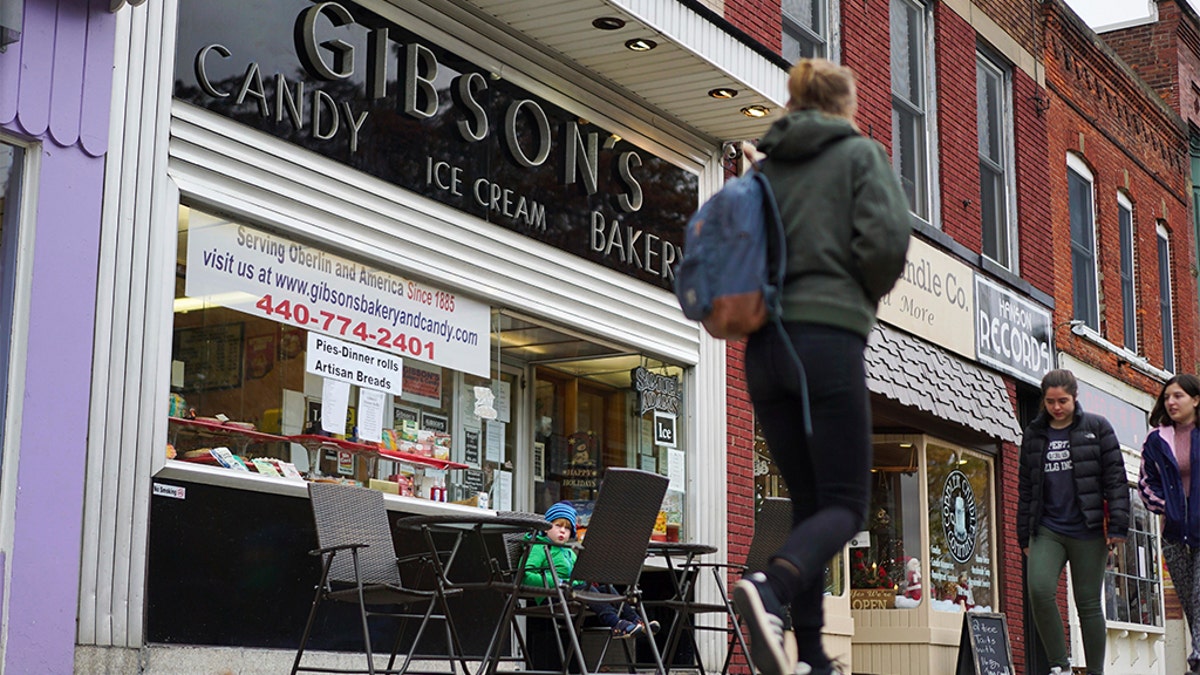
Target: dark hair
[[1190, 384], [1061, 378]]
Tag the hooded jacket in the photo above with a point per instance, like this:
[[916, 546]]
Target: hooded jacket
[[1161, 486], [845, 215], [541, 558], [1098, 469]]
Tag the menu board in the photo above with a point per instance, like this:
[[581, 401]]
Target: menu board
[[983, 648]]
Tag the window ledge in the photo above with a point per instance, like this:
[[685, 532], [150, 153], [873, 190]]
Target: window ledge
[[1123, 355], [1137, 630]]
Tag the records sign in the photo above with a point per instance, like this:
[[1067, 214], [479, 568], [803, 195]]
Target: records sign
[[960, 522]]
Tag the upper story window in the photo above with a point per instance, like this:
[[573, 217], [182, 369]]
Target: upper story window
[[993, 111], [1086, 304], [1128, 297], [1132, 583], [1164, 298], [910, 96], [805, 29]]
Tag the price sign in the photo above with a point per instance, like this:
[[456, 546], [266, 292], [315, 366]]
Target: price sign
[[983, 648]]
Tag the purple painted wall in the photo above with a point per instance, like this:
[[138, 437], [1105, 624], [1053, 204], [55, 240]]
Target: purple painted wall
[[55, 89]]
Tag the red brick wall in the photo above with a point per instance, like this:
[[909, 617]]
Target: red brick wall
[[958, 149], [1011, 559], [865, 49], [1131, 145], [739, 420], [760, 19], [1035, 225]]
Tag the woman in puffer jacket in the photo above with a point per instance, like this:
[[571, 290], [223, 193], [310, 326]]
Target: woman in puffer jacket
[[1170, 486], [1072, 506]]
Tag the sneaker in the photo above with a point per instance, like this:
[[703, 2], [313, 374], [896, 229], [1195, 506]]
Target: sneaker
[[1056, 671], [627, 629], [763, 614]]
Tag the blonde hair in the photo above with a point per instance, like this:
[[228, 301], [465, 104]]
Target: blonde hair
[[819, 84]]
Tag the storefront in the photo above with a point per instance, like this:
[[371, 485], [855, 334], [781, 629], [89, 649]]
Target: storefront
[[409, 248]]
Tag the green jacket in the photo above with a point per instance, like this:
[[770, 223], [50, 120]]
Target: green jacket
[[537, 566], [845, 215]]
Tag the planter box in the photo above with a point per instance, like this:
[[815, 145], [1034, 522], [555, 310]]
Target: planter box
[[872, 598]]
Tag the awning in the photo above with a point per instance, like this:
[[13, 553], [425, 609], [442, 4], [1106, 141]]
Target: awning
[[917, 374], [695, 52]]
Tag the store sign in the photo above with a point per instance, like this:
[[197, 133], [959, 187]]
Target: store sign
[[664, 430], [363, 90], [655, 392], [959, 518], [263, 274], [933, 299], [1014, 335], [358, 365]]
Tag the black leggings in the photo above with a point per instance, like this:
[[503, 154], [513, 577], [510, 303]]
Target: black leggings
[[828, 478]]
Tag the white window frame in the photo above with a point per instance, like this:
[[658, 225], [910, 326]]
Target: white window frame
[[1092, 321], [1165, 294], [1007, 255], [822, 38], [922, 200], [1128, 273]]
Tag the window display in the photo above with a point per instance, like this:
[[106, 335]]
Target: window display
[[888, 567], [960, 523], [289, 360], [1132, 582]]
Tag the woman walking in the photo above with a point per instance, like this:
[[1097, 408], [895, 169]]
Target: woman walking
[[1170, 486], [847, 225], [1073, 504]]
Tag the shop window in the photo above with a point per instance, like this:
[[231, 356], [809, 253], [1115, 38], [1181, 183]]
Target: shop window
[[281, 353], [1132, 583], [960, 524], [769, 483], [887, 566], [609, 411]]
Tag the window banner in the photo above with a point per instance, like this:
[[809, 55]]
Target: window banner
[[264, 274]]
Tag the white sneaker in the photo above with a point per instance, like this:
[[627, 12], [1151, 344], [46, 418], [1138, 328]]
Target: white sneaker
[[1056, 670]]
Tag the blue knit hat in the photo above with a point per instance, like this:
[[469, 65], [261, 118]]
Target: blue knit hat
[[564, 510]]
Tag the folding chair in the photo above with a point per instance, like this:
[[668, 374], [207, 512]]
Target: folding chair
[[359, 565], [612, 553], [772, 525]]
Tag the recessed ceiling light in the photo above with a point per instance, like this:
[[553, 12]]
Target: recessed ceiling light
[[640, 45], [723, 92], [756, 111], [608, 23]]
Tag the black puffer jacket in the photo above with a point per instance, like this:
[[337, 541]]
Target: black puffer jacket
[[1099, 471]]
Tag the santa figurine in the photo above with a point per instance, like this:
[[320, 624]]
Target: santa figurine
[[912, 579], [963, 593]]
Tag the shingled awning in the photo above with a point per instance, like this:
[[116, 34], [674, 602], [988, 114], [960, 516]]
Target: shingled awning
[[917, 374]]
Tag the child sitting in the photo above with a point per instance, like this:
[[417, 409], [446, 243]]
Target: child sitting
[[561, 516]]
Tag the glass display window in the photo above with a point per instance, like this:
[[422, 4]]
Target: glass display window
[[1132, 582], [960, 529], [292, 359], [887, 565]]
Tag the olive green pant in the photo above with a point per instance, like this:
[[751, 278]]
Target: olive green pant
[[1049, 552]]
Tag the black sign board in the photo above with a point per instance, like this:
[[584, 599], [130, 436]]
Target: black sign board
[[983, 648], [362, 89], [471, 447], [472, 481]]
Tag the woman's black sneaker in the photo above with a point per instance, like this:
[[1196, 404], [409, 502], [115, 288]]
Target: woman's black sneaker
[[763, 614]]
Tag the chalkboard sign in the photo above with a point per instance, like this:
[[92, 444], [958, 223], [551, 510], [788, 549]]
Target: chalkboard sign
[[983, 648]]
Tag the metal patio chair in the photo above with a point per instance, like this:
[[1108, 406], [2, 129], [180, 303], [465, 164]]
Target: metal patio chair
[[772, 525], [359, 565], [612, 553]]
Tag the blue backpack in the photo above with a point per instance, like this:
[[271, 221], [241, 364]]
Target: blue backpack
[[724, 280], [727, 279]]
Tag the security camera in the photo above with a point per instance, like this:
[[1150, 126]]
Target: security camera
[[732, 151]]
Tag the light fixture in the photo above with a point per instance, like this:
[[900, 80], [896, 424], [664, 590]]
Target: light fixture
[[723, 92], [640, 45], [756, 111], [608, 23]]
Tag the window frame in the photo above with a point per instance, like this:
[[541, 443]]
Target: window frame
[[1128, 272], [1165, 303], [1076, 167], [1150, 535], [1006, 255], [921, 202], [821, 38]]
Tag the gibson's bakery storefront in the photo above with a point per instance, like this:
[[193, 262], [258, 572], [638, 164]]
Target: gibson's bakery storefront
[[400, 248]]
